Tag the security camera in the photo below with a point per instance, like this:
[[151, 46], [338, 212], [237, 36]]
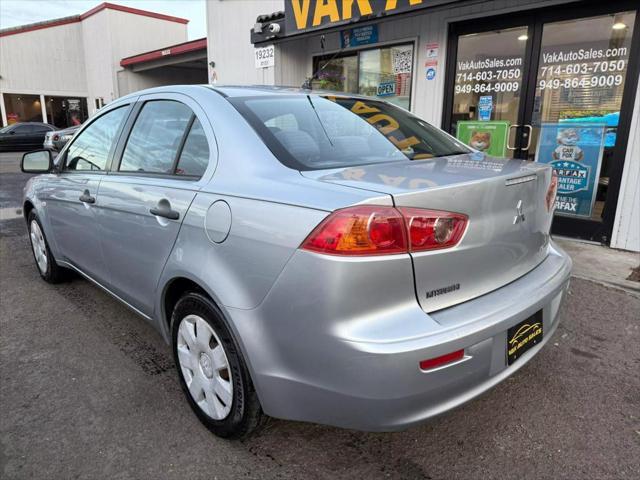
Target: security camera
[[274, 28]]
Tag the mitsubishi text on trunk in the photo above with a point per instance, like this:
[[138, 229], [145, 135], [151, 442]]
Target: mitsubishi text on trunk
[[309, 256]]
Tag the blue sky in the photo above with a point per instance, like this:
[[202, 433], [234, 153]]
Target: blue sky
[[20, 12]]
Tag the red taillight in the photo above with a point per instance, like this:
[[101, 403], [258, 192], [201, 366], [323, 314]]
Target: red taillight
[[432, 363], [364, 230], [380, 230], [551, 191], [433, 229]]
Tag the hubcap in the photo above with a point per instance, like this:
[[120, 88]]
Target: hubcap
[[39, 246], [204, 366]]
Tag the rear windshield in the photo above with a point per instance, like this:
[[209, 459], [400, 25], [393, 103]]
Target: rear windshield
[[311, 132]]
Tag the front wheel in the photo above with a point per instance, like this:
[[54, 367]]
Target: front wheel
[[47, 266], [212, 372]]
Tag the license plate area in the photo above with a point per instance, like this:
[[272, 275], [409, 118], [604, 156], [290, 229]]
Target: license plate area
[[523, 336]]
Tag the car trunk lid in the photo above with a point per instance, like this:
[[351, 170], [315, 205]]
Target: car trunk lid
[[508, 230]]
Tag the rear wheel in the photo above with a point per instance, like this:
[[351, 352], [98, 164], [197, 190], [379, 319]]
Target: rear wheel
[[47, 266], [212, 372]]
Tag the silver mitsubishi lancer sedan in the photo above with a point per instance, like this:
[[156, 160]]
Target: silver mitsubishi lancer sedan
[[309, 256]]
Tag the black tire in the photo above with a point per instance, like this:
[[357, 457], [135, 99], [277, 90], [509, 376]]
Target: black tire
[[246, 414], [54, 273]]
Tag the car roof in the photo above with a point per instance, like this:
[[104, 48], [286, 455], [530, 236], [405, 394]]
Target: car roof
[[34, 123], [239, 91], [270, 90]]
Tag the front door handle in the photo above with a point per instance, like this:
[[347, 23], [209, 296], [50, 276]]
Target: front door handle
[[87, 198], [164, 210]]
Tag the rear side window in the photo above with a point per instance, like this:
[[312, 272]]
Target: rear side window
[[156, 137], [195, 153], [90, 149]]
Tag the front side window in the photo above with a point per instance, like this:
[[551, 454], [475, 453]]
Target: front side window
[[330, 132], [156, 137], [90, 149], [23, 129], [41, 128]]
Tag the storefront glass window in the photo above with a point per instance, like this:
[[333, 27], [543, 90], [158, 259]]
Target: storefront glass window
[[581, 75], [386, 73], [338, 74], [382, 72], [22, 108], [66, 112]]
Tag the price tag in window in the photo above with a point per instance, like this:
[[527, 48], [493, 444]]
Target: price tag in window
[[265, 56]]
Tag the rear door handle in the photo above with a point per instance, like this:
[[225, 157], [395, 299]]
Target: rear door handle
[[164, 210], [87, 198]]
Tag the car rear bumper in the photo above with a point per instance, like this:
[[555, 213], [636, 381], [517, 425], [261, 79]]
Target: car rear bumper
[[310, 362]]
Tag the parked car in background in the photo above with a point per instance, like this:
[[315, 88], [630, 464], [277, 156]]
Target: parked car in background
[[24, 136], [57, 139], [320, 257]]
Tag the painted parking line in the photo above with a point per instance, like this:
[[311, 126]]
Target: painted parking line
[[9, 213]]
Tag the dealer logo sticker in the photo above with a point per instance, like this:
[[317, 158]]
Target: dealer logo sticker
[[523, 336]]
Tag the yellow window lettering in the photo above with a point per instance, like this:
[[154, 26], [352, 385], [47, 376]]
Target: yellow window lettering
[[360, 108], [353, 174], [403, 144], [347, 8], [301, 12], [381, 117], [326, 8], [393, 181]]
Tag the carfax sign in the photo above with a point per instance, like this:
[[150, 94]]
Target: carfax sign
[[575, 152], [487, 137]]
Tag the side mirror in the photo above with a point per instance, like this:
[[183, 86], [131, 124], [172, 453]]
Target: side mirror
[[38, 161]]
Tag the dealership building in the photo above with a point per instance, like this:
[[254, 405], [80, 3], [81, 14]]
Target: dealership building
[[61, 71], [552, 81]]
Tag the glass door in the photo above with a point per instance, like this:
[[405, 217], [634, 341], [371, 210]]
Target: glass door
[[582, 70], [561, 85], [488, 89]]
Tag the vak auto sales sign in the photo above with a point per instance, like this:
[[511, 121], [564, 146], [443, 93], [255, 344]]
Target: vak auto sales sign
[[305, 15], [574, 150]]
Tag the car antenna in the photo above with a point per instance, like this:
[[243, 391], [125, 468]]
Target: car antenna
[[307, 83]]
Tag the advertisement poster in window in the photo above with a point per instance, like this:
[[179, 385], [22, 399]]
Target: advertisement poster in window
[[575, 153], [486, 137]]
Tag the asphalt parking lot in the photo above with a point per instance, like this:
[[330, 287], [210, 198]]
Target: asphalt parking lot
[[88, 390]]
